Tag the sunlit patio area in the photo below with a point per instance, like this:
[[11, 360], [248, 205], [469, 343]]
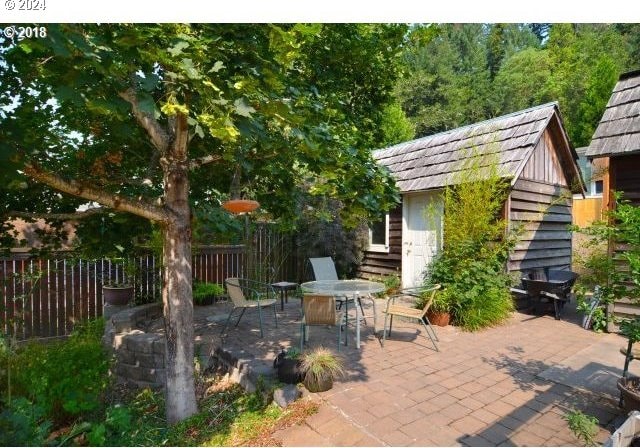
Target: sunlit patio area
[[504, 386]]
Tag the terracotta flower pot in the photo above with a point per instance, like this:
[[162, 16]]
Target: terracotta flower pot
[[240, 205], [630, 389], [438, 318], [117, 295]]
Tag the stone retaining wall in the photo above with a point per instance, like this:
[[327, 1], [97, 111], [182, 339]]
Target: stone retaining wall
[[139, 351], [139, 356]]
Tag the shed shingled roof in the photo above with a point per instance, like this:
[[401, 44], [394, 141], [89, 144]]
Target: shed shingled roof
[[619, 129], [432, 162]]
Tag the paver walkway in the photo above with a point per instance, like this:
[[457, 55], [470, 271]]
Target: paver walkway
[[480, 389]]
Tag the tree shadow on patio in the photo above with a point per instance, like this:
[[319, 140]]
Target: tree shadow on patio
[[551, 392], [252, 355]]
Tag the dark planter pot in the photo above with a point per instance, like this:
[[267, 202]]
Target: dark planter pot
[[204, 301], [289, 371], [630, 390], [440, 319], [318, 386], [117, 296]]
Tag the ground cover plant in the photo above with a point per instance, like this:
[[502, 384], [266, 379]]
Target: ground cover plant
[[60, 394]]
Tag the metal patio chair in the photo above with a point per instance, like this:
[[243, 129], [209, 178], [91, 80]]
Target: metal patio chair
[[411, 313], [320, 310], [324, 268], [245, 293]]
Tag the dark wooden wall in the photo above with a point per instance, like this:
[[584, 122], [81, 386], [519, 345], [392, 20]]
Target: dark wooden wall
[[541, 204], [624, 177], [377, 264], [543, 211]]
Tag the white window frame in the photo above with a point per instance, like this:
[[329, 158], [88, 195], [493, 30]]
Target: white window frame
[[592, 188], [381, 247]]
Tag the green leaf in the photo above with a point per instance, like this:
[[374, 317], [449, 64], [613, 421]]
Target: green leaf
[[67, 93], [150, 82], [219, 65], [242, 108], [177, 48], [189, 69]]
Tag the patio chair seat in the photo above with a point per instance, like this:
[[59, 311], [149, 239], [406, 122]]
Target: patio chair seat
[[250, 294], [403, 311], [414, 313], [320, 310]]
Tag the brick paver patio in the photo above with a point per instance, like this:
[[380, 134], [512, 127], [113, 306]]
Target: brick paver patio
[[480, 389]]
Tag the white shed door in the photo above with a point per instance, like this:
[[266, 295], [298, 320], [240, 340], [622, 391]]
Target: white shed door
[[421, 235]]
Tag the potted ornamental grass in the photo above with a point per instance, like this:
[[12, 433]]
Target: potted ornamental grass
[[321, 366]]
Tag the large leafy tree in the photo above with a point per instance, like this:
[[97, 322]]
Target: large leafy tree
[[150, 121]]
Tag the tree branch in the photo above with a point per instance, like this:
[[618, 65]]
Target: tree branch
[[56, 216], [156, 132], [206, 160], [110, 200]]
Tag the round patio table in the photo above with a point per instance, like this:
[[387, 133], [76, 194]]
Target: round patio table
[[347, 288]]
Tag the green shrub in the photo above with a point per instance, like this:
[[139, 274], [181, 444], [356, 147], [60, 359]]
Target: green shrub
[[203, 290], [391, 283], [65, 379], [472, 265], [23, 424], [441, 303], [618, 276]]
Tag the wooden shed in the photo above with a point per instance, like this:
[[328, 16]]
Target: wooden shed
[[617, 140], [532, 150], [616, 145]]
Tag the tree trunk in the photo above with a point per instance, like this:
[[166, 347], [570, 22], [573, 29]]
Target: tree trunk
[[178, 312], [177, 293]]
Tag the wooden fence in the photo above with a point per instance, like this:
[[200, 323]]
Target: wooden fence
[[41, 298]]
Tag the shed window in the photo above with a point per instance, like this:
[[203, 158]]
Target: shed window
[[379, 235], [597, 188]]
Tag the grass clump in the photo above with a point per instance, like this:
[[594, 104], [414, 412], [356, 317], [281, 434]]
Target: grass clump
[[319, 366]]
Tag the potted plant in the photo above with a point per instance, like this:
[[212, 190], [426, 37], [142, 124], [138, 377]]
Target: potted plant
[[206, 293], [629, 386], [119, 292], [321, 366], [439, 313], [289, 367], [391, 284]]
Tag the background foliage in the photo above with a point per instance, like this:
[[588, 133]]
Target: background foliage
[[459, 74]]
